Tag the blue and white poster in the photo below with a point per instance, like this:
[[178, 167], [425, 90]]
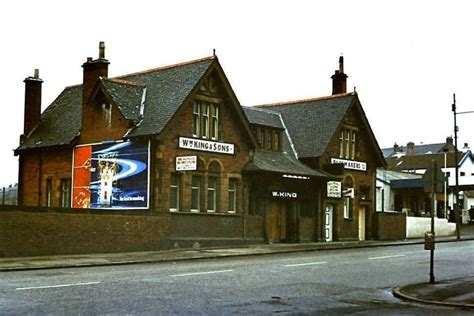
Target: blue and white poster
[[111, 175]]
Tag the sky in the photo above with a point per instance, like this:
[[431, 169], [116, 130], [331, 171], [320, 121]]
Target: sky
[[406, 59]]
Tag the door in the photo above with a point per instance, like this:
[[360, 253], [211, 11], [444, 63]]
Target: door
[[362, 223], [276, 221], [328, 222]]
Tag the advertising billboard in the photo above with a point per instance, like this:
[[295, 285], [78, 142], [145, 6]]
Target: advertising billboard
[[111, 175]]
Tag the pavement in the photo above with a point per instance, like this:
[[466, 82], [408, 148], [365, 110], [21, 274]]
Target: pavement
[[456, 292]]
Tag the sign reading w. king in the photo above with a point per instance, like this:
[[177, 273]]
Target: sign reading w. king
[[111, 175]]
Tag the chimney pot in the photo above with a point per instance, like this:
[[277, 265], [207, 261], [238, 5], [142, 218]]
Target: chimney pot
[[101, 50], [339, 79], [89, 59], [32, 113]]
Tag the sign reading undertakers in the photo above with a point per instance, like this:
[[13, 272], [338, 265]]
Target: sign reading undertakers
[[350, 164], [206, 145]]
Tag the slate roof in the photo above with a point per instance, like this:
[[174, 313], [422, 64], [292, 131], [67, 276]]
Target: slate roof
[[423, 149], [263, 117], [312, 123], [421, 161], [281, 162], [127, 96], [60, 122], [166, 90]]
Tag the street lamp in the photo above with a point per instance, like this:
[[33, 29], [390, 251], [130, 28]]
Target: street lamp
[[456, 190]]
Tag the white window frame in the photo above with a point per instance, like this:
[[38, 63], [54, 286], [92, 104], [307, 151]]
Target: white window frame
[[215, 121], [174, 187], [198, 190], [205, 120], [65, 192], [212, 194], [196, 119], [232, 208]]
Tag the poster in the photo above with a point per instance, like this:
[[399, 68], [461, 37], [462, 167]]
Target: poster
[[111, 175]]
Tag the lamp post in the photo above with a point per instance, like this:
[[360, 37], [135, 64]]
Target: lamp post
[[457, 211]]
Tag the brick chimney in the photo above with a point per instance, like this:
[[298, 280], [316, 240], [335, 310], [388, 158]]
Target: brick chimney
[[410, 149], [93, 69], [339, 79], [32, 113]]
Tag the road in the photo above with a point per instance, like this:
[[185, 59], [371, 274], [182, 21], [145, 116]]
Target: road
[[356, 281]]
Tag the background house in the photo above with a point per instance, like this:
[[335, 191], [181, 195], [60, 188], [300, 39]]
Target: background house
[[404, 163]]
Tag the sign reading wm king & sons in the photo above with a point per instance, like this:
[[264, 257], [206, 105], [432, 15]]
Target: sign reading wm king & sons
[[206, 145]]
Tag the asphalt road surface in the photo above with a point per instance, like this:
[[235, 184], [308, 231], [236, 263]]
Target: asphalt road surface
[[351, 281]]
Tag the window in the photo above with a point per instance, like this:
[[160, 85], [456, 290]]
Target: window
[[215, 122], [347, 207], [211, 194], [232, 196], [49, 193], [276, 141], [65, 192], [174, 192], [195, 193], [347, 149], [206, 120], [341, 145], [196, 120], [353, 144], [462, 174], [347, 144], [268, 139], [260, 137]]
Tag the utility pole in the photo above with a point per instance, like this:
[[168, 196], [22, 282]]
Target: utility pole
[[457, 209], [456, 189]]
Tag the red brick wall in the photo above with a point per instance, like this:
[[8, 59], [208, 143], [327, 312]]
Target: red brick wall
[[37, 166], [96, 126], [231, 131], [390, 226], [54, 233], [346, 229]]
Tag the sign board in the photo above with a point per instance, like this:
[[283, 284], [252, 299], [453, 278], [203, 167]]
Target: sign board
[[350, 164], [334, 189], [111, 175], [283, 194], [434, 174], [350, 192], [186, 163], [206, 145]]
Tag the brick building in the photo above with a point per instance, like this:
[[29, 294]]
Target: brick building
[[174, 143], [333, 134]]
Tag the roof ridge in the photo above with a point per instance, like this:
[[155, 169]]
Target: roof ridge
[[122, 81], [185, 63], [118, 78], [334, 96], [256, 108]]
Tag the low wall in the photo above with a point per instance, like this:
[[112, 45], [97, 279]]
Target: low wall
[[390, 225], [40, 232], [418, 226]]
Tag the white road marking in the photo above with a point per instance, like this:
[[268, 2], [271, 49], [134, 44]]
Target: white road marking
[[200, 273], [55, 286], [305, 264], [386, 257]]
